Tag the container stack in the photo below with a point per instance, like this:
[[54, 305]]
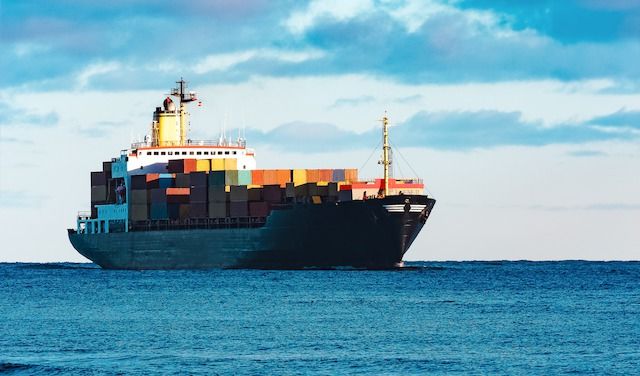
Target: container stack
[[103, 188], [157, 185], [139, 207], [198, 195], [98, 191], [217, 195], [215, 188], [239, 201]]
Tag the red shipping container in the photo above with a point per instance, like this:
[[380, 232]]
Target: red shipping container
[[259, 209]]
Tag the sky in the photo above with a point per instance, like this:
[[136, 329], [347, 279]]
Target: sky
[[522, 117]]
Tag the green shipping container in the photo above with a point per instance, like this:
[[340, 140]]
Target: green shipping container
[[244, 177], [183, 180], [138, 197], [217, 178], [217, 194], [231, 177], [139, 212], [239, 193], [218, 210]]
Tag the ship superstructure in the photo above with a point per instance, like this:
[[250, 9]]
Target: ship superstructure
[[170, 202]]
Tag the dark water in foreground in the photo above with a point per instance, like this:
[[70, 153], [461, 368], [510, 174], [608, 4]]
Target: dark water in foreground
[[471, 317]]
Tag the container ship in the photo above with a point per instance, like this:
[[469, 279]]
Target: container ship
[[171, 202]]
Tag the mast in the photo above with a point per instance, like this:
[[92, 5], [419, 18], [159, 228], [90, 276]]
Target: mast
[[181, 92], [385, 153]]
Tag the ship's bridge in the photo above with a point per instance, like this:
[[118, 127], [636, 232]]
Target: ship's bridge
[[144, 157], [168, 139]]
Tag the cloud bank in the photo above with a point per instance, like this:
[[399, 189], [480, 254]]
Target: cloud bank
[[141, 44], [446, 131]]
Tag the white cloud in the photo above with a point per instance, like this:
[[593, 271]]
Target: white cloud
[[96, 69], [223, 62], [413, 14], [299, 22]]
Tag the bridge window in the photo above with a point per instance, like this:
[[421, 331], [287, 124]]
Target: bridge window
[[234, 153], [199, 153], [170, 152], [219, 153], [226, 152], [206, 153], [190, 153], [184, 153], [148, 153], [155, 153], [162, 153]]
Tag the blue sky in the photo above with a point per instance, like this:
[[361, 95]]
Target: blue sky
[[551, 84]]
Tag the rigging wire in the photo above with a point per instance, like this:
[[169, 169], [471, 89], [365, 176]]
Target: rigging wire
[[370, 155], [411, 168], [402, 175]]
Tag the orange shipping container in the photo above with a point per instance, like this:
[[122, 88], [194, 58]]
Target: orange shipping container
[[325, 175], [190, 165], [270, 177], [178, 191], [351, 174], [257, 177], [312, 176], [152, 177], [284, 177]]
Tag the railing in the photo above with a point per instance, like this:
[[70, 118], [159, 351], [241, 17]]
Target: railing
[[201, 223], [398, 180], [147, 144]]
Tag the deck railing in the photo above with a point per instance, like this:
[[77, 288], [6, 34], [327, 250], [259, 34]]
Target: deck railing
[[148, 144]]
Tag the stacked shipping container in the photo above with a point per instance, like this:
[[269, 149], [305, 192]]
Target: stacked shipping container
[[215, 188], [103, 188]]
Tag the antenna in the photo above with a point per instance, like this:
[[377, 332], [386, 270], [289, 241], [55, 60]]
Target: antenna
[[180, 91], [224, 129], [244, 126]]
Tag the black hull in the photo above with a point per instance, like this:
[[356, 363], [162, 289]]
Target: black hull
[[361, 234]]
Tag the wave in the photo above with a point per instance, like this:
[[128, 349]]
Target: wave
[[58, 265]]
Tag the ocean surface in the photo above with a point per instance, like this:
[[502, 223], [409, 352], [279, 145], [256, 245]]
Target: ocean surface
[[429, 318]]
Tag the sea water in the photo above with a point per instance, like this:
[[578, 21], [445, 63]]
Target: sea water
[[450, 317]]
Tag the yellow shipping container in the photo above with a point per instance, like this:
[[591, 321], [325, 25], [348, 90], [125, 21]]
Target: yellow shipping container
[[217, 164], [230, 164], [299, 177], [203, 165]]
